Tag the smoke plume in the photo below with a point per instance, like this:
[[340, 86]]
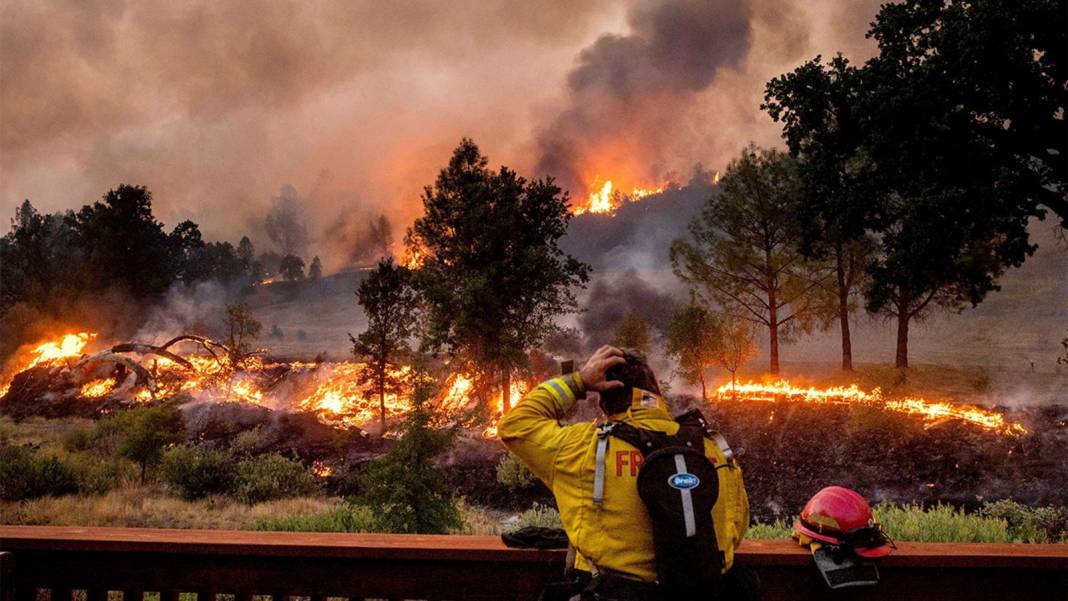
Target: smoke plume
[[627, 89]]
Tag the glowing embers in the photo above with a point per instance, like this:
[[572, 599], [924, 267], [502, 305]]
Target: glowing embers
[[97, 388], [930, 411]]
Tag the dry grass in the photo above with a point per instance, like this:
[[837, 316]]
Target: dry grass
[[41, 432], [151, 508]]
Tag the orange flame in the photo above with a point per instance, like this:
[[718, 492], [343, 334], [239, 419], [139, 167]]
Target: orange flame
[[66, 347], [606, 198], [929, 411], [97, 388]]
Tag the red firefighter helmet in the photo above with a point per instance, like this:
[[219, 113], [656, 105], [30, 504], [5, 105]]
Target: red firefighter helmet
[[840, 516]]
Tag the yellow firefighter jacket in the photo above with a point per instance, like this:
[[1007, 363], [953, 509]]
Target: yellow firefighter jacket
[[615, 536]]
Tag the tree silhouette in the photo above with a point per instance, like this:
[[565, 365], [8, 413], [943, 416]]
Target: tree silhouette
[[291, 268], [633, 332], [816, 105], [743, 250], [388, 301], [493, 277], [284, 224]]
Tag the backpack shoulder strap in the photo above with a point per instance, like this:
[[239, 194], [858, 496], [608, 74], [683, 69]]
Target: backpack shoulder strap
[[695, 420], [599, 458]]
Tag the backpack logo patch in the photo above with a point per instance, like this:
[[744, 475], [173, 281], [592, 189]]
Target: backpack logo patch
[[683, 481]]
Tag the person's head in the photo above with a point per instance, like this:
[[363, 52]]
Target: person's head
[[635, 373]]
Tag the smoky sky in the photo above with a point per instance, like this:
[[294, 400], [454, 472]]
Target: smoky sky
[[217, 105]]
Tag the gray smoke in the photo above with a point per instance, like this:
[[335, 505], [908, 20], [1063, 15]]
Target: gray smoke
[[625, 89], [614, 296]]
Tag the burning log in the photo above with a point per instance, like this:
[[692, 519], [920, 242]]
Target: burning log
[[148, 349]]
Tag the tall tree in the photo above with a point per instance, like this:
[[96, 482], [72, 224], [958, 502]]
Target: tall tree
[[738, 345], [241, 329], [291, 268], [816, 105], [492, 275], [389, 303], [123, 244], [315, 270], [743, 249], [285, 223], [381, 233], [965, 141]]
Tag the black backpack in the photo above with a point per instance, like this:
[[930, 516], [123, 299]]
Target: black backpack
[[679, 486]]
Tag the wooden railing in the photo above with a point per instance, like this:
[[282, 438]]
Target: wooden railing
[[64, 563]]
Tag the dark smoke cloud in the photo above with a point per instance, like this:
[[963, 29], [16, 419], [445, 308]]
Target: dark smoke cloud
[[683, 85], [613, 297], [626, 87]]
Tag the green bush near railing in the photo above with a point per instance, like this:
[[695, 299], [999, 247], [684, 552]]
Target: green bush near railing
[[998, 522]]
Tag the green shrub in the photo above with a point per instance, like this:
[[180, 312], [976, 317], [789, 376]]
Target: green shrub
[[271, 476], [195, 473], [80, 440], [25, 475], [540, 516], [343, 518], [247, 442], [98, 475], [777, 530], [941, 523], [405, 487], [144, 433], [512, 473], [1003, 521], [1030, 524]]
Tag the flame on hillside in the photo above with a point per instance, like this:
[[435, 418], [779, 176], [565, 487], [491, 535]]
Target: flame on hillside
[[930, 411], [605, 197]]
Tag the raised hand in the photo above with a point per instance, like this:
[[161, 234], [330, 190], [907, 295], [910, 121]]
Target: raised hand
[[593, 372]]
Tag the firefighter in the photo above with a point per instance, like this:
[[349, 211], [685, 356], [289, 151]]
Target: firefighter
[[607, 523]]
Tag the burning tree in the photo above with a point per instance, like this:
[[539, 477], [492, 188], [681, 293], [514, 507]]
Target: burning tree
[[743, 252], [241, 329], [389, 303], [491, 273]]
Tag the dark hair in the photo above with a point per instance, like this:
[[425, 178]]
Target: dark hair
[[635, 373]]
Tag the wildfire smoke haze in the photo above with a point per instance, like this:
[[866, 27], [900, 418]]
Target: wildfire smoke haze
[[631, 92]]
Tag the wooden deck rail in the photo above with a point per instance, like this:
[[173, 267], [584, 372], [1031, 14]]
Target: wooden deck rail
[[35, 559]]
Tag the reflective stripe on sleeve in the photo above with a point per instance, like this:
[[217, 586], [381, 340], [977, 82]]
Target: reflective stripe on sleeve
[[687, 498], [560, 391]]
